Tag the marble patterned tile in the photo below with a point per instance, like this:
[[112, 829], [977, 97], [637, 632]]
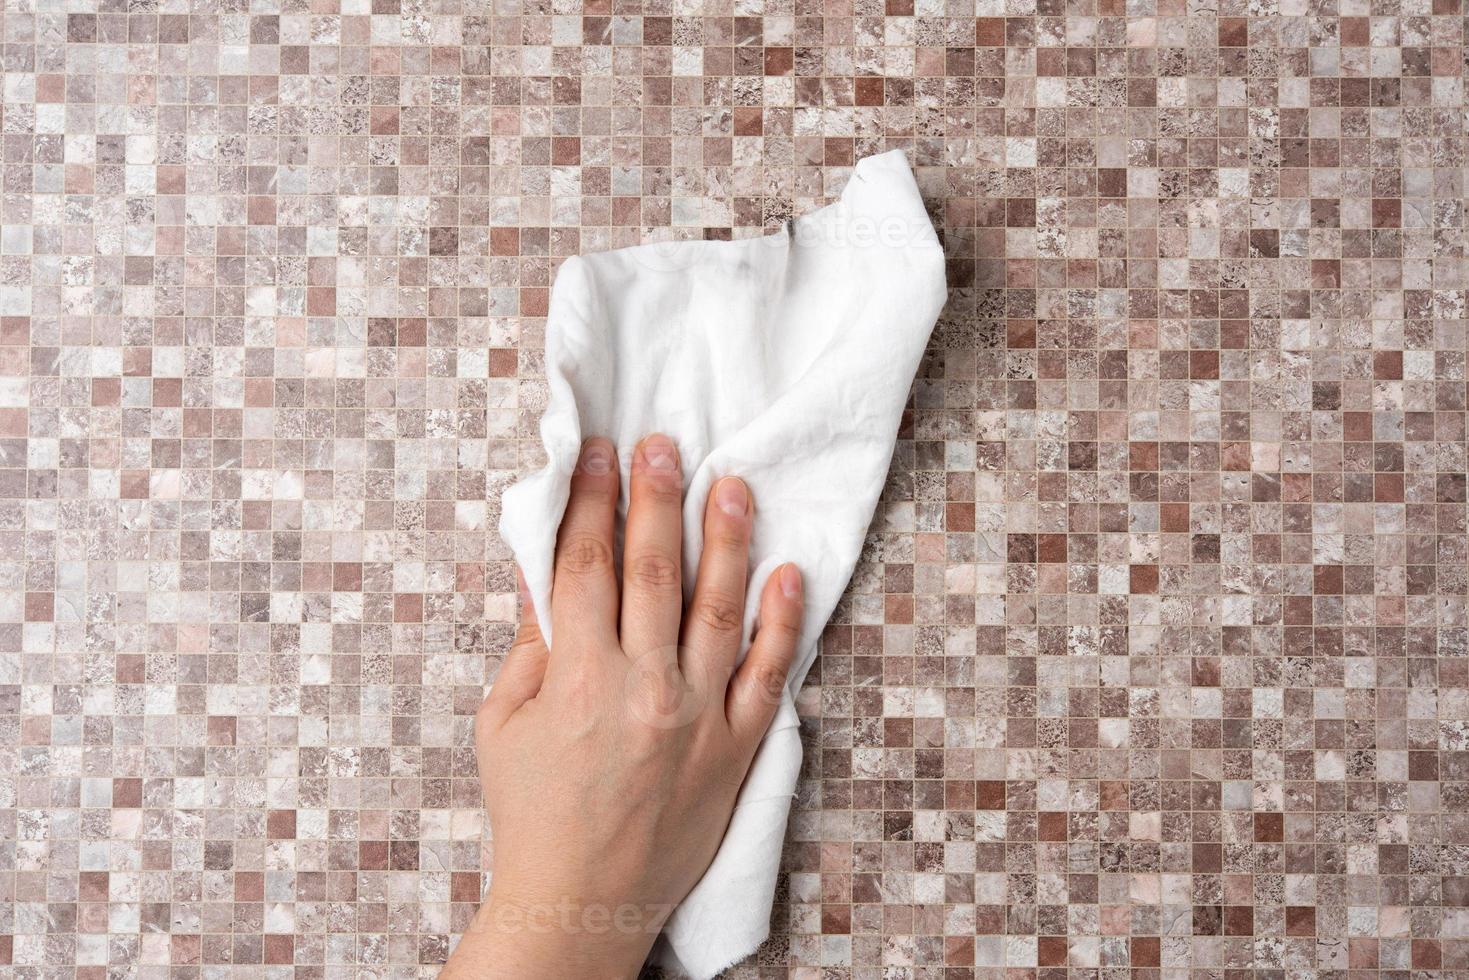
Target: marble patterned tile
[[1157, 661]]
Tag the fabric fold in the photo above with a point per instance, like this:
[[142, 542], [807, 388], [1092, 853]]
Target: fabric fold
[[785, 360]]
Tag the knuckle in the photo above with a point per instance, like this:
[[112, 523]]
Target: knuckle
[[586, 554], [786, 633], [594, 486], [523, 649], [660, 488], [731, 778], [770, 680], [718, 613], [727, 537], [653, 571], [580, 697], [660, 696], [579, 688], [526, 640]]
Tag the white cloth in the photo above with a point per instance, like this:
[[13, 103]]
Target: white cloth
[[785, 360]]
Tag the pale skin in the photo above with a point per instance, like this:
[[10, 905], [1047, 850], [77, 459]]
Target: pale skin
[[612, 758]]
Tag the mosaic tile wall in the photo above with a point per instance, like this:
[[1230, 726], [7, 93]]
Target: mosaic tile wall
[[1158, 659]]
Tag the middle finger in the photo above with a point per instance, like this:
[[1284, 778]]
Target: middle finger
[[652, 572]]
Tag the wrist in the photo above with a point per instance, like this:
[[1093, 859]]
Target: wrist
[[536, 936]]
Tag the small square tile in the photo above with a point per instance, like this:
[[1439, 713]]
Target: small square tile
[[1155, 658]]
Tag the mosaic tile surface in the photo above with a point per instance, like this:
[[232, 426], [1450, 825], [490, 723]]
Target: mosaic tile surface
[[1158, 659]]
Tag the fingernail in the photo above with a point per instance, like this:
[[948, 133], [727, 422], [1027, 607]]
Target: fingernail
[[790, 581], [731, 497], [596, 459], [659, 454]]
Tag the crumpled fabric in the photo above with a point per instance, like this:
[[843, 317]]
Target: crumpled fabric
[[784, 360]]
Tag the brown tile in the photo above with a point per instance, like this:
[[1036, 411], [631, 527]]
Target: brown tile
[[274, 349]]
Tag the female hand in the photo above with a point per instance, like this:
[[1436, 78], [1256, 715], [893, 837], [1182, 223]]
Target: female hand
[[611, 760]]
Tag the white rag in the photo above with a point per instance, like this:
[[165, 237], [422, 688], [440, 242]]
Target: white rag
[[784, 360]]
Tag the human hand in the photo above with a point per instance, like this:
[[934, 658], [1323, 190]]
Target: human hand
[[612, 760]]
